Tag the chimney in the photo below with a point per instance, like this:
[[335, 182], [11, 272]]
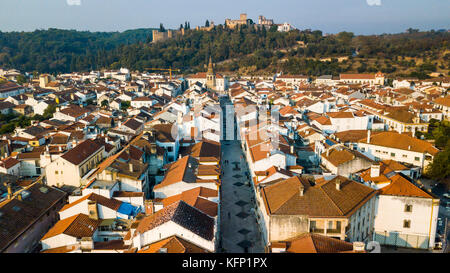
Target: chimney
[[9, 187], [409, 147], [292, 149], [93, 211], [338, 184], [301, 189], [368, 136], [375, 170], [130, 167], [359, 246]]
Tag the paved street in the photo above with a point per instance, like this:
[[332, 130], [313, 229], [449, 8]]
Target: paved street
[[239, 229]]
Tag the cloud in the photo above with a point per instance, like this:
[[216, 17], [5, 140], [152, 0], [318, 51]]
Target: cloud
[[373, 2], [77, 2]]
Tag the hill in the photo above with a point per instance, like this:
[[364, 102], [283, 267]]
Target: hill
[[243, 50]]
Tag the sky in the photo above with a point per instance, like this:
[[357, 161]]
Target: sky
[[330, 16]]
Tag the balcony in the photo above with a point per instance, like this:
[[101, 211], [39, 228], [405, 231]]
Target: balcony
[[317, 230], [334, 231]]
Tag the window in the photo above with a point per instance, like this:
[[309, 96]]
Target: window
[[406, 223], [169, 149], [393, 154], [416, 158], [404, 156], [330, 224], [56, 172], [408, 208]]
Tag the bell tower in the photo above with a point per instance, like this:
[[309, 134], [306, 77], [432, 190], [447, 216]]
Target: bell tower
[[210, 75]]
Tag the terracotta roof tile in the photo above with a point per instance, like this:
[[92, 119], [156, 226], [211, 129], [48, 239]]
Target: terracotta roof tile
[[78, 226], [183, 215], [316, 243], [81, 152], [320, 200]]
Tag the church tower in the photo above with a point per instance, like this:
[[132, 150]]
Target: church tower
[[210, 75]]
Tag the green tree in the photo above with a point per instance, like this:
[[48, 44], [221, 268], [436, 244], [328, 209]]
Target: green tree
[[439, 169], [124, 105], [104, 103], [49, 111], [21, 79], [7, 128]]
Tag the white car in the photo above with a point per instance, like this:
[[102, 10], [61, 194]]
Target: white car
[[447, 195]]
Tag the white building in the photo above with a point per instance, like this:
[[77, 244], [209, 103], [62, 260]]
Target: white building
[[399, 147], [406, 215], [178, 219]]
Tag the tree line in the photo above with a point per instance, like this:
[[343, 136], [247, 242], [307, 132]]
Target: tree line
[[56, 51]]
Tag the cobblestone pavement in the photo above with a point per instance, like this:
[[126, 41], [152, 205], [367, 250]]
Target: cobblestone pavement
[[239, 230]]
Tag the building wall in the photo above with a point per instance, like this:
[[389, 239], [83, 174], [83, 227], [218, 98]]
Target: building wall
[[30, 239], [390, 214], [135, 201], [169, 229], [14, 170], [347, 168], [103, 212], [362, 222], [277, 160], [58, 241], [133, 185], [398, 155], [29, 168], [282, 227], [12, 93], [61, 172], [180, 187], [345, 124], [174, 146]]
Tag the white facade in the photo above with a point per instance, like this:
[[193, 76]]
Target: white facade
[[387, 153], [169, 229], [390, 220], [177, 188]]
